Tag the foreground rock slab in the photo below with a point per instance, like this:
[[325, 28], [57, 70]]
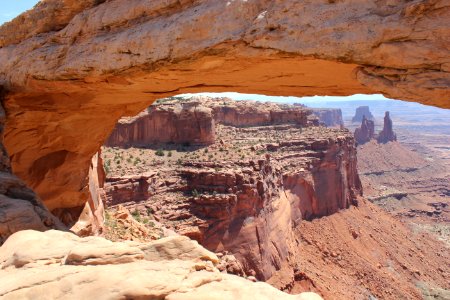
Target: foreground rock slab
[[60, 265]]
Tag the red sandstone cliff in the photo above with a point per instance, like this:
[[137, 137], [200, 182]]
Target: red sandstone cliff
[[254, 113], [266, 171], [182, 123]]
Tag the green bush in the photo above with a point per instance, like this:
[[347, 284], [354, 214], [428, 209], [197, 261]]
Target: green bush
[[159, 152], [136, 215]]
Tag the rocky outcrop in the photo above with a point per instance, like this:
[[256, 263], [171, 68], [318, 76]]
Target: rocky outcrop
[[61, 265], [254, 113], [361, 112], [188, 123], [123, 189], [170, 120], [73, 68], [245, 192], [366, 132], [20, 207], [331, 117], [387, 134]]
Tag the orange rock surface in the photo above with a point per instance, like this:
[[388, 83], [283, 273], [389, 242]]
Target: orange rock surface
[[73, 68]]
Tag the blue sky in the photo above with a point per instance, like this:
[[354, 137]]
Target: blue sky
[[9, 9], [12, 8]]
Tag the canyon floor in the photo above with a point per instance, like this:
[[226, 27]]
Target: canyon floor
[[370, 250]]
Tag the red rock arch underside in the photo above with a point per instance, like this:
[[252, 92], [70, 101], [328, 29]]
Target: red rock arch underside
[[69, 78]]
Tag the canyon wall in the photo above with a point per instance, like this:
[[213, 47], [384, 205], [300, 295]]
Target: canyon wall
[[187, 123], [247, 190], [73, 68], [329, 116], [245, 114]]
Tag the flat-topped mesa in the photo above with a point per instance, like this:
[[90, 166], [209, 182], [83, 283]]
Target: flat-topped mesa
[[387, 134], [255, 113], [330, 117], [192, 121], [366, 132], [176, 123], [362, 111]]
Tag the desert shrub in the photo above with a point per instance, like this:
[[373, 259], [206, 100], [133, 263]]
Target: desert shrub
[[136, 215], [159, 152], [169, 154]]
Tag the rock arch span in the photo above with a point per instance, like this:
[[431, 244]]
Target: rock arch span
[[71, 69]]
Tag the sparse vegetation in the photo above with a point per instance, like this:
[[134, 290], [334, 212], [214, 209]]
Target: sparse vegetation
[[136, 215], [159, 152]]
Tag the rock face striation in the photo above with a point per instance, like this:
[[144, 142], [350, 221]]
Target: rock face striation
[[244, 192], [73, 68], [366, 132], [361, 113], [188, 123], [20, 207], [61, 265], [331, 117], [387, 134]]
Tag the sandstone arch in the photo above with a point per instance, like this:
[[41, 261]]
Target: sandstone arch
[[71, 69]]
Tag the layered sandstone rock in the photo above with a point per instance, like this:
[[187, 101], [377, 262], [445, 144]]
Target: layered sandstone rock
[[20, 207], [331, 117], [254, 113], [361, 113], [387, 134], [73, 68], [188, 123], [61, 265], [245, 192], [366, 132]]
